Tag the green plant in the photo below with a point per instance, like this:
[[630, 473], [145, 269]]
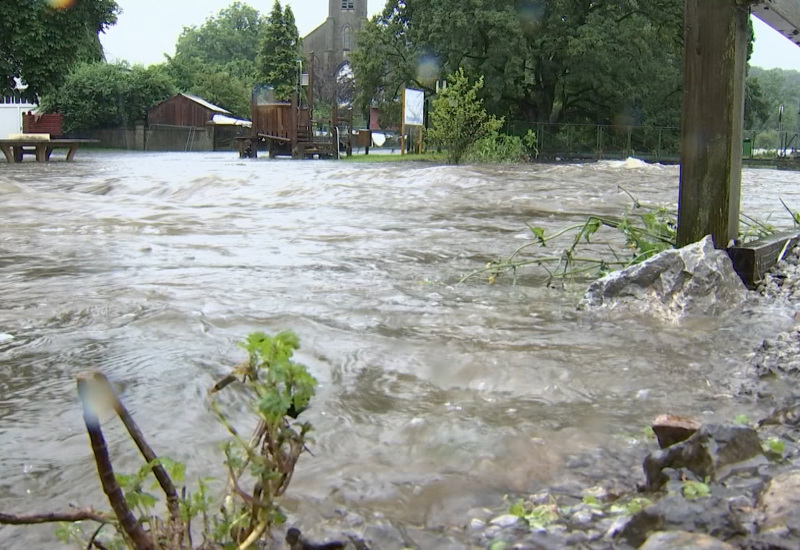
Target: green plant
[[530, 143], [774, 446], [631, 507], [496, 148], [741, 419], [537, 516], [647, 231], [259, 469], [459, 119], [695, 489]]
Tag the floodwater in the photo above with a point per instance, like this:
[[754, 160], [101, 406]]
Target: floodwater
[[434, 397]]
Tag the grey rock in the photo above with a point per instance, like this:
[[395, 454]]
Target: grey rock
[[781, 503], [711, 448], [582, 517], [506, 520], [475, 524], [694, 279], [669, 540]]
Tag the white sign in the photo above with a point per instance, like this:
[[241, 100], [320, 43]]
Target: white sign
[[414, 109]]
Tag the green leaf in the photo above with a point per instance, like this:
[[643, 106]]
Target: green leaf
[[775, 446], [517, 509], [741, 419], [696, 489], [538, 232]]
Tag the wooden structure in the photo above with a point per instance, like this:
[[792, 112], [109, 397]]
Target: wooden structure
[[715, 55], [753, 260], [184, 110], [285, 128], [50, 123], [15, 149]]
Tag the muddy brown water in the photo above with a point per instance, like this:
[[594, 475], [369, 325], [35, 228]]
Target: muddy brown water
[[434, 397]]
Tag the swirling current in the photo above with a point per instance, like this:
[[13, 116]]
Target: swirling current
[[434, 396]]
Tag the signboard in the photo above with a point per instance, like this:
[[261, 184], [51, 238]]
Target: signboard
[[414, 108]]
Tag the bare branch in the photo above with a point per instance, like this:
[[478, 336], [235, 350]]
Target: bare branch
[[105, 471], [82, 514]]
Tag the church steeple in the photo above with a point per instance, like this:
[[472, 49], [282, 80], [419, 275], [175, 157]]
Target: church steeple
[[356, 7]]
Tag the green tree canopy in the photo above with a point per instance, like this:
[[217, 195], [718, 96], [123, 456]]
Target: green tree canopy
[[39, 44], [775, 87], [280, 49], [459, 119], [232, 36], [542, 60], [108, 95], [217, 60]]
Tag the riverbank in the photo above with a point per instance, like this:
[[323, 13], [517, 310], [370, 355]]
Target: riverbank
[[750, 501]]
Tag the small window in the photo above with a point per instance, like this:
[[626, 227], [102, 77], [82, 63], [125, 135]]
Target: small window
[[346, 38], [347, 4]]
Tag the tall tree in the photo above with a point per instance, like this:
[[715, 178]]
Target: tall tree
[[39, 44], [232, 36], [217, 60], [108, 95], [542, 60], [280, 51]]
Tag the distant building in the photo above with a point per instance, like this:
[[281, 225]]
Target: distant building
[[184, 110], [334, 40], [11, 111]]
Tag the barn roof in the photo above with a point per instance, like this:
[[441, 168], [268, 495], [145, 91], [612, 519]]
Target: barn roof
[[206, 104]]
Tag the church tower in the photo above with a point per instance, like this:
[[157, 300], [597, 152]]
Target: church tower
[[334, 41]]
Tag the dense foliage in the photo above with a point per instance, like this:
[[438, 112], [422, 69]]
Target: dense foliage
[[217, 60], [279, 51], [458, 119], [542, 60], [108, 95], [767, 91], [39, 44]]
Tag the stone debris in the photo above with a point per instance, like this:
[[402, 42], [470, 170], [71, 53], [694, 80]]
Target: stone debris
[[697, 279], [671, 429], [669, 540]]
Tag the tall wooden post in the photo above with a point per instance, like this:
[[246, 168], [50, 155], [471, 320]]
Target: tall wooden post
[[403, 122], [716, 35]]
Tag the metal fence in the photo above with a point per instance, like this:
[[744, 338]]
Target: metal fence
[[598, 141]]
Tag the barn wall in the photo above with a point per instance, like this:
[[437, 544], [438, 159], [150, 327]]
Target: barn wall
[[179, 111]]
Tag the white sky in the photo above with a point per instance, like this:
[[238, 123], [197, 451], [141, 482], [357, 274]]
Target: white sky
[[147, 29]]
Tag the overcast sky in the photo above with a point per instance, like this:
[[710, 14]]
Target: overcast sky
[[147, 29]]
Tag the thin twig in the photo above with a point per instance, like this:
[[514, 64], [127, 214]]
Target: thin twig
[[82, 514], [94, 536], [105, 471], [150, 456]]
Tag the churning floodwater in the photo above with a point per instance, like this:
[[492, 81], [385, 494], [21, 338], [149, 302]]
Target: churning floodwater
[[434, 397]]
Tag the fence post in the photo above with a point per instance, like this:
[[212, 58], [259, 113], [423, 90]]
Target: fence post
[[715, 54]]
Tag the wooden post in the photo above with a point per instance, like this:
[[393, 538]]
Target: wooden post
[[403, 122], [293, 121], [715, 41]]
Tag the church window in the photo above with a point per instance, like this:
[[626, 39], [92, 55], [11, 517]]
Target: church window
[[347, 4], [346, 38]]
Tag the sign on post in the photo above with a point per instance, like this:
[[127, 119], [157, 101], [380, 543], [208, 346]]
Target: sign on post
[[413, 111], [414, 108]]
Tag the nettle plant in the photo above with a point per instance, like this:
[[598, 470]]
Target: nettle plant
[[258, 469]]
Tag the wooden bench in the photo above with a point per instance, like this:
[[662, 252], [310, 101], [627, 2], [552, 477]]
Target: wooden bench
[[15, 149]]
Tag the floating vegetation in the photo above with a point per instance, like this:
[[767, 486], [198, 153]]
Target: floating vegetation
[[645, 231]]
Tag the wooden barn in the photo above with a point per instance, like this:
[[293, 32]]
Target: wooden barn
[[184, 110]]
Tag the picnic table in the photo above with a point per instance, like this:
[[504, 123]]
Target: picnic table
[[16, 149]]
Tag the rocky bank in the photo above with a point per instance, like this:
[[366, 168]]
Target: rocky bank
[[715, 486]]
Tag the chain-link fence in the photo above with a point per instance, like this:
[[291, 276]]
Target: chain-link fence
[[597, 141]]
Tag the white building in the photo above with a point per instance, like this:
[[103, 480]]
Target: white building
[[11, 109]]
